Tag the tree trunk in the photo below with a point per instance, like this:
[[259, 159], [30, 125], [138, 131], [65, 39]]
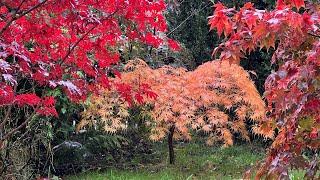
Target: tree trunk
[[170, 144]]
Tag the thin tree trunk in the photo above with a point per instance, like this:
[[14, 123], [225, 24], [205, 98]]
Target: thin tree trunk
[[170, 145]]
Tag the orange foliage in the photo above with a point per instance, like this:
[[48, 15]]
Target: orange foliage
[[170, 107], [216, 99], [106, 111]]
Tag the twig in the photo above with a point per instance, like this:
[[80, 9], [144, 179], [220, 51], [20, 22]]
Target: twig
[[314, 35], [192, 14], [15, 17], [19, 127], [33, 8]]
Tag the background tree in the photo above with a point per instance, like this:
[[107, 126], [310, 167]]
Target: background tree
[[292, 91], [188, 23]]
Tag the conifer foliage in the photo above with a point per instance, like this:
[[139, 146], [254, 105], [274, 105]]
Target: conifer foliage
[[292, 91]]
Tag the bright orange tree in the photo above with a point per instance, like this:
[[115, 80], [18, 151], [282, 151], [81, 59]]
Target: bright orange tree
[[105, 111], [201, 100], [292, 91], [226, 98]]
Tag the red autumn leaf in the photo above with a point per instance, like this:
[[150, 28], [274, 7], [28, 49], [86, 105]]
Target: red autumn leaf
[[65, 43], [280, 4], [313, 105], [152, 40], [248, 5], [125, 91], [27, 99], [6, 94], [47, 111], [173, 45], [314, 133], [260, 31], [292, 90], [139, 98], [49, 101], [3, 10], [220, 21], [298, 3]]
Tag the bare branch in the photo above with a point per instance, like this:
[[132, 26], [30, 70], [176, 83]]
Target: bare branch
[[314, 35], [9, 134], [192, 14]]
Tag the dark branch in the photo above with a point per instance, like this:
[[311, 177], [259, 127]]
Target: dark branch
[[15, 16], [314, 35], [9, 134]]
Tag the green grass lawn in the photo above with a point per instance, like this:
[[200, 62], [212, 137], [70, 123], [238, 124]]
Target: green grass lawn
[[193, 161]]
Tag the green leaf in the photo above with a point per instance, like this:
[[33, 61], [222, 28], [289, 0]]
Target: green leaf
[[306, 123], [63, 110]]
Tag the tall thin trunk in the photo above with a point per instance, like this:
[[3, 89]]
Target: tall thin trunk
[[170, 145]]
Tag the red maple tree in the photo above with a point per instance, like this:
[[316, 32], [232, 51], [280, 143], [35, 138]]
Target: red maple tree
[[70, 44], [292, 91]]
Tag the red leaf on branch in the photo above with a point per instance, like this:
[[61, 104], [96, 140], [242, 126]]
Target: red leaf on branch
[[314, 133], [153, 40], [6, 94], [27, 99], [220, 21], [313, 105], [173, 45], [298, 3]]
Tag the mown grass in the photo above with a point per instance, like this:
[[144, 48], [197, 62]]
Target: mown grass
[[193, 161]]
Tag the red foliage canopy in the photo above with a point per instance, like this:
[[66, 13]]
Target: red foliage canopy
[[70, 43], [292, 91]]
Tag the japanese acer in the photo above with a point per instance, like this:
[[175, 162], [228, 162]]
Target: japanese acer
[[202, 100], [107, 111], [173, 111], [68, 44], [292, 91]]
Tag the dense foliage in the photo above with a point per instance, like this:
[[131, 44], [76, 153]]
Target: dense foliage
[[59, 66], [64, 46], [217, 99], [188, 23], [292, 91], [71, 44]]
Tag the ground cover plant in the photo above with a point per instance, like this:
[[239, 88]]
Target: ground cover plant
[[195, 161]]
